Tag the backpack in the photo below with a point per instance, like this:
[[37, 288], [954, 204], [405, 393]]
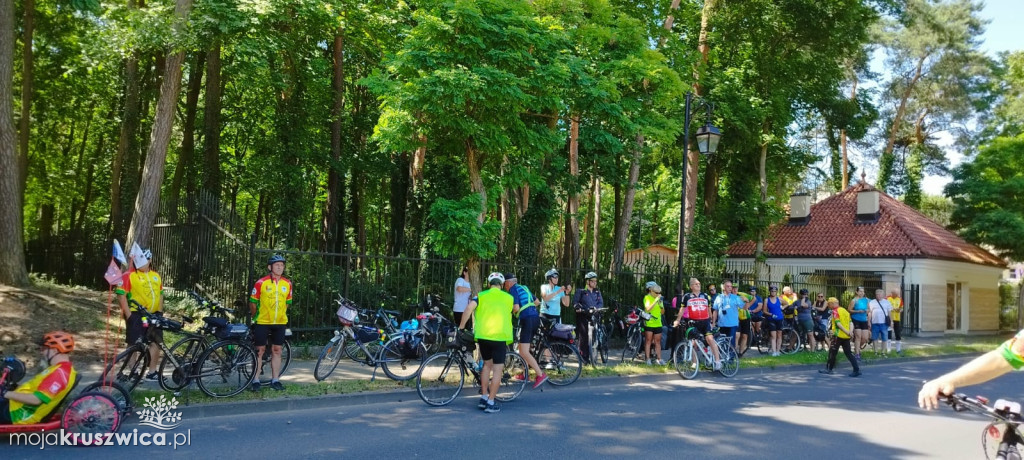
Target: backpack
[[409, 345]]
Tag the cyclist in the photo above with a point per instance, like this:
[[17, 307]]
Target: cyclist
[[743, 337], [493, 329], [654, 305], [554, 297], [33, 401], [143, 285], [698, 309], [859, 314], [584, 300], [805, 318], [773, 306], [462, 291], [727, 312], [822, 314], [1007, 357], [897, 326], [268, 304], [525, 305], [755, 305], [841, 331]]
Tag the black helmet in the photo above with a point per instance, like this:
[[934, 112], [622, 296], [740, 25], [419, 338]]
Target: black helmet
[[275, 258]]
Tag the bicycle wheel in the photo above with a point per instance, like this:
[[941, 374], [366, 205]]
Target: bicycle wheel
[[440, 379], [790, 341], [514, 376], [176, 373], [684, 359], [286, 358], [730, 361], [634, 340], [762, 342], [128, 367], [226, 368], [602, 346], [355, 352], [330, 356], [395, 364], [567, 363], [116, 392], [92, 412]]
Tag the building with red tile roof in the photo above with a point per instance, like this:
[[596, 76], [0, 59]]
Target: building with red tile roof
[[887, 244]]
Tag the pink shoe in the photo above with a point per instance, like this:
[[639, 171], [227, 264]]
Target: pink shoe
[[540, 380]]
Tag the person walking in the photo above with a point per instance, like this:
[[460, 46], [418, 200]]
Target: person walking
[[859, 315], [553, 297], [654, 305], [880, 309], [493, 329], [897, 323], [841, 332], [268, 304]]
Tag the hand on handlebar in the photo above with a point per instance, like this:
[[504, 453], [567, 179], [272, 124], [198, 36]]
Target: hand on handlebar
[[928, 397]]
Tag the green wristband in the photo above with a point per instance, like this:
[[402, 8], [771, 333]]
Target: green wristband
[[1012, 358]]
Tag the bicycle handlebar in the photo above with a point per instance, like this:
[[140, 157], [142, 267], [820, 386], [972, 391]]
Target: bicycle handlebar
[[1003, 410]]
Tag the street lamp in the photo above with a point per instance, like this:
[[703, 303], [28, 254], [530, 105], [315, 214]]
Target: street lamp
[[707, 144]]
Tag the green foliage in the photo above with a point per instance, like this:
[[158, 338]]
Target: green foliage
[[457, 233], [988, 195]]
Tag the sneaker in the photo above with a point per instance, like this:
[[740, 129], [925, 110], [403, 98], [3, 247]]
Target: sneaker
[[718, 365], [276, 385], [549, 366], [648, 362], [492, 409], [540, 380], [855, 374], [826, 371], [519, 377], [254, 386], [661, 363], [153, 376], [483, 404]]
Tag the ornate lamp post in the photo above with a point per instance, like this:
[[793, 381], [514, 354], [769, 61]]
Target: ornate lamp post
[[707, 144]]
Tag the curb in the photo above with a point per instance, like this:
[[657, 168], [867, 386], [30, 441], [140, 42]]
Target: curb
[[392, 396]]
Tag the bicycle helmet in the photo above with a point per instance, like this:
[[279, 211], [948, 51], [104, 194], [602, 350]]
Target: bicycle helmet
[[590, 276], [551, 273], [58, 340], [649, 285], [496, 276], [275, 258]]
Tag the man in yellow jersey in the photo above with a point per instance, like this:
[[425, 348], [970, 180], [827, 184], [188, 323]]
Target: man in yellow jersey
[[268, 304], [33, 401], [841, 333], [142, 285], [493, 330], [897, 326]]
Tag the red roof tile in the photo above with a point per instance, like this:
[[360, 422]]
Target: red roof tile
[[901, 231]]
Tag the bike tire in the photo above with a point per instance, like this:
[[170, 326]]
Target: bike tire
[[790, 341], [685, 361], [568, 364], [330, 356], [762, 343], [129, 367], [395, 365], [631, 350], [92, 412], [440, 379], [186, 352], [514, 376], [226, 368], [730, 360], [602, 348], [117, 392]]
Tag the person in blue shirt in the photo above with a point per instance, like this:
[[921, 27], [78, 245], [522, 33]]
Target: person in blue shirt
[[529, 321], [773, 317], [859, 315], [727, 311]]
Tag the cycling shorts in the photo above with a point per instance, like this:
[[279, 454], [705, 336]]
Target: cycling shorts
[[528, 328], [773, 324], [491, 350], [274, 332]]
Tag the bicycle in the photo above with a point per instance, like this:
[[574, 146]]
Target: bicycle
[[791, 341], [1000, 439], [442, 376], [553, 348], [598, 337], [175, 374], [633, 348], [693, 354]]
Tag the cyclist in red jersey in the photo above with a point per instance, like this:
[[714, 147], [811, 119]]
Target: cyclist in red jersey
[[698, 308]]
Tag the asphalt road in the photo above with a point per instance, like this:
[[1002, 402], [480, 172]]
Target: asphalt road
[[786, 415]]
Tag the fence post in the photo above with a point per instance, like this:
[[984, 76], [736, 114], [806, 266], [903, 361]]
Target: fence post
[[251, 258]]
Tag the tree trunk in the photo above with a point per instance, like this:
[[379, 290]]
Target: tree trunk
[[126, 141], [27, 64], [80, 163], [762, 173], [211, 122], [358, 219], [711, 186], [12, 264], [627, 204], [399, 204], [886, 161], [693, 162], [332, 228], [89, 180], [183, 170], [596, 234], [148, 200], [572, 234], [842, 140], [474, 161], [669, 20]]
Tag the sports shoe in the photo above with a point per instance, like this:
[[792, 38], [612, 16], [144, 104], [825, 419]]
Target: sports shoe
[[648, 362], [826, 371], [482, 404], [254, 386], [661, 363], [540, 380], [718, 365], [549, 366], [492, 409], [153, 376], [855, 374], [276, 385], [519, 377]]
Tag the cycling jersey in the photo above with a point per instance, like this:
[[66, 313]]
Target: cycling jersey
[[897, 307], [144, 287], [655, 307], [841, 316], [50, 387], [272, 299], [522, 296], [493, 315], [697, 306]]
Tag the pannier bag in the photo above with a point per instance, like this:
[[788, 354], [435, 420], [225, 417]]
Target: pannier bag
[[563, 332], [367, 334], [224, 330], [409, 345]]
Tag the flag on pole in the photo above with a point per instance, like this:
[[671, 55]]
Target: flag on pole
[[119, 253], [135, 251], [113, 274]]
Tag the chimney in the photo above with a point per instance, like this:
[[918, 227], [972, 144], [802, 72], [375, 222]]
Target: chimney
[[799, 208], [867, 205]]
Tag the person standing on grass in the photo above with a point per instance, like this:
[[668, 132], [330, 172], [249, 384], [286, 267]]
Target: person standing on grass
[[859, 315], [462, 291], [583, 301], [654, 305], [880, 309], [525, 305], [143, 285], [493, 309], [822, 314], [743, 340], [755, 305], [805, 318], [841, 332], [897, 325], [727, 312], [268, 304], [774, 317], [553, 297]]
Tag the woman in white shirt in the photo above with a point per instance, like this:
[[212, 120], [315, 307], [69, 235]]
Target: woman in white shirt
[[462, 291]]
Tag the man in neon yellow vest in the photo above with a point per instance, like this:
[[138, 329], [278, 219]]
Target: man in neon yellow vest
[[492, 324]]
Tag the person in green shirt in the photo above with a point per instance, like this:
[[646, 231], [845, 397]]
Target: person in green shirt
[[842, 329], [654, 305], [492, 319]]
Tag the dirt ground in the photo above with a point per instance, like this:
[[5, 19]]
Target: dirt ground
[[27, 314]]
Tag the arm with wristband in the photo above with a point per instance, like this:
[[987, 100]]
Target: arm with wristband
[[1008, 357]]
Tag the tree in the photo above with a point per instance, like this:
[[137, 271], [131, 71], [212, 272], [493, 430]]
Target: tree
[[988, 197], [12, 264]]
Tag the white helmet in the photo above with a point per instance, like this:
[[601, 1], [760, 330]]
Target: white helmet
[[551, 273], [649, 285], [590, 276], [496, 276]]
